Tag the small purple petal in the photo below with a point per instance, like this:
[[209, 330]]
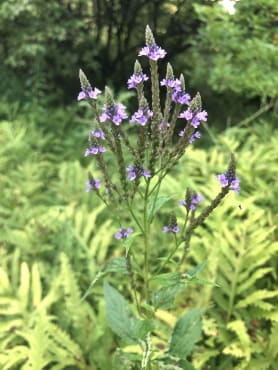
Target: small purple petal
[[187, 114], [175, 229], [223, 180], [202, 116], [153, 52], [81, 96]]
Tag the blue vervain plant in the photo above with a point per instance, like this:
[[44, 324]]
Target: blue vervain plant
[[130, 188]]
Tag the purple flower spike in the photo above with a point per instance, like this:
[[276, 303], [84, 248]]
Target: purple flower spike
[[173, 83], [195, 136], [196, 198], [226, 179], [202, 116], [98, 134], [136, 79], [187, 114], [123, 233], [116, 114], [137, 171], [93, 184], [153, 52], [141, 116], [94, 150], [179, 96], [131, 173], [88, 93], [235, 185], [171, 228]]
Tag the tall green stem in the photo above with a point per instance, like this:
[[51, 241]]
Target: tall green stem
[[146, 242]]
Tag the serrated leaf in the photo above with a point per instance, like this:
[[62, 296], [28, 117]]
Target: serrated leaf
[[186, 332], [194, 272], [142, 328], [116, 264], [119, 316], [154, 205], [164, 298], [127, 243], [167, 279]]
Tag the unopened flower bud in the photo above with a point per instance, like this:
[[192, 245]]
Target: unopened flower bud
[[182, 82], [196, 103], [84, 82], [169, 73], [137, 67], [150, 41]]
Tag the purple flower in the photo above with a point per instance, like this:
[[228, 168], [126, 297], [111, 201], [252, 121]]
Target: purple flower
[[195, 199], [136, 79], [92, 184], [195, 136], [173, 83], [171, 228], [98, 134], [153, 52], [116, 113], [94, 150], [137, 171], [227, 179], [202, 116], [88, 93], [123, 233], [180, 96], [187, 114], [141, 116], [195, 117]]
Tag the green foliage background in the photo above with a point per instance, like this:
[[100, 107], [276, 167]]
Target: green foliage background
[[55, 238]]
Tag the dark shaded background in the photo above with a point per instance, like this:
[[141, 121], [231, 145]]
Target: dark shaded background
[[231, 59]]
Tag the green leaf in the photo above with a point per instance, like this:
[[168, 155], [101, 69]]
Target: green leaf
[[127, 243], [143, 327], [187, 365], [186, 332], [154, 205], [119, 316], [193, 273], [164, 298], [167, 279], [117, 264]]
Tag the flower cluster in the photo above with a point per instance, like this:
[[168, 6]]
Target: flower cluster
[[141, 116], [178, 94], [98, 134], [194, 117], [190, 204], [152, 151], [172, 226], [123, 233], [88, 93], [116, 113], [228, 179], [86, 89], [136, 79], [94, 150], [93, 184], [137, 171], [153, 52]]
